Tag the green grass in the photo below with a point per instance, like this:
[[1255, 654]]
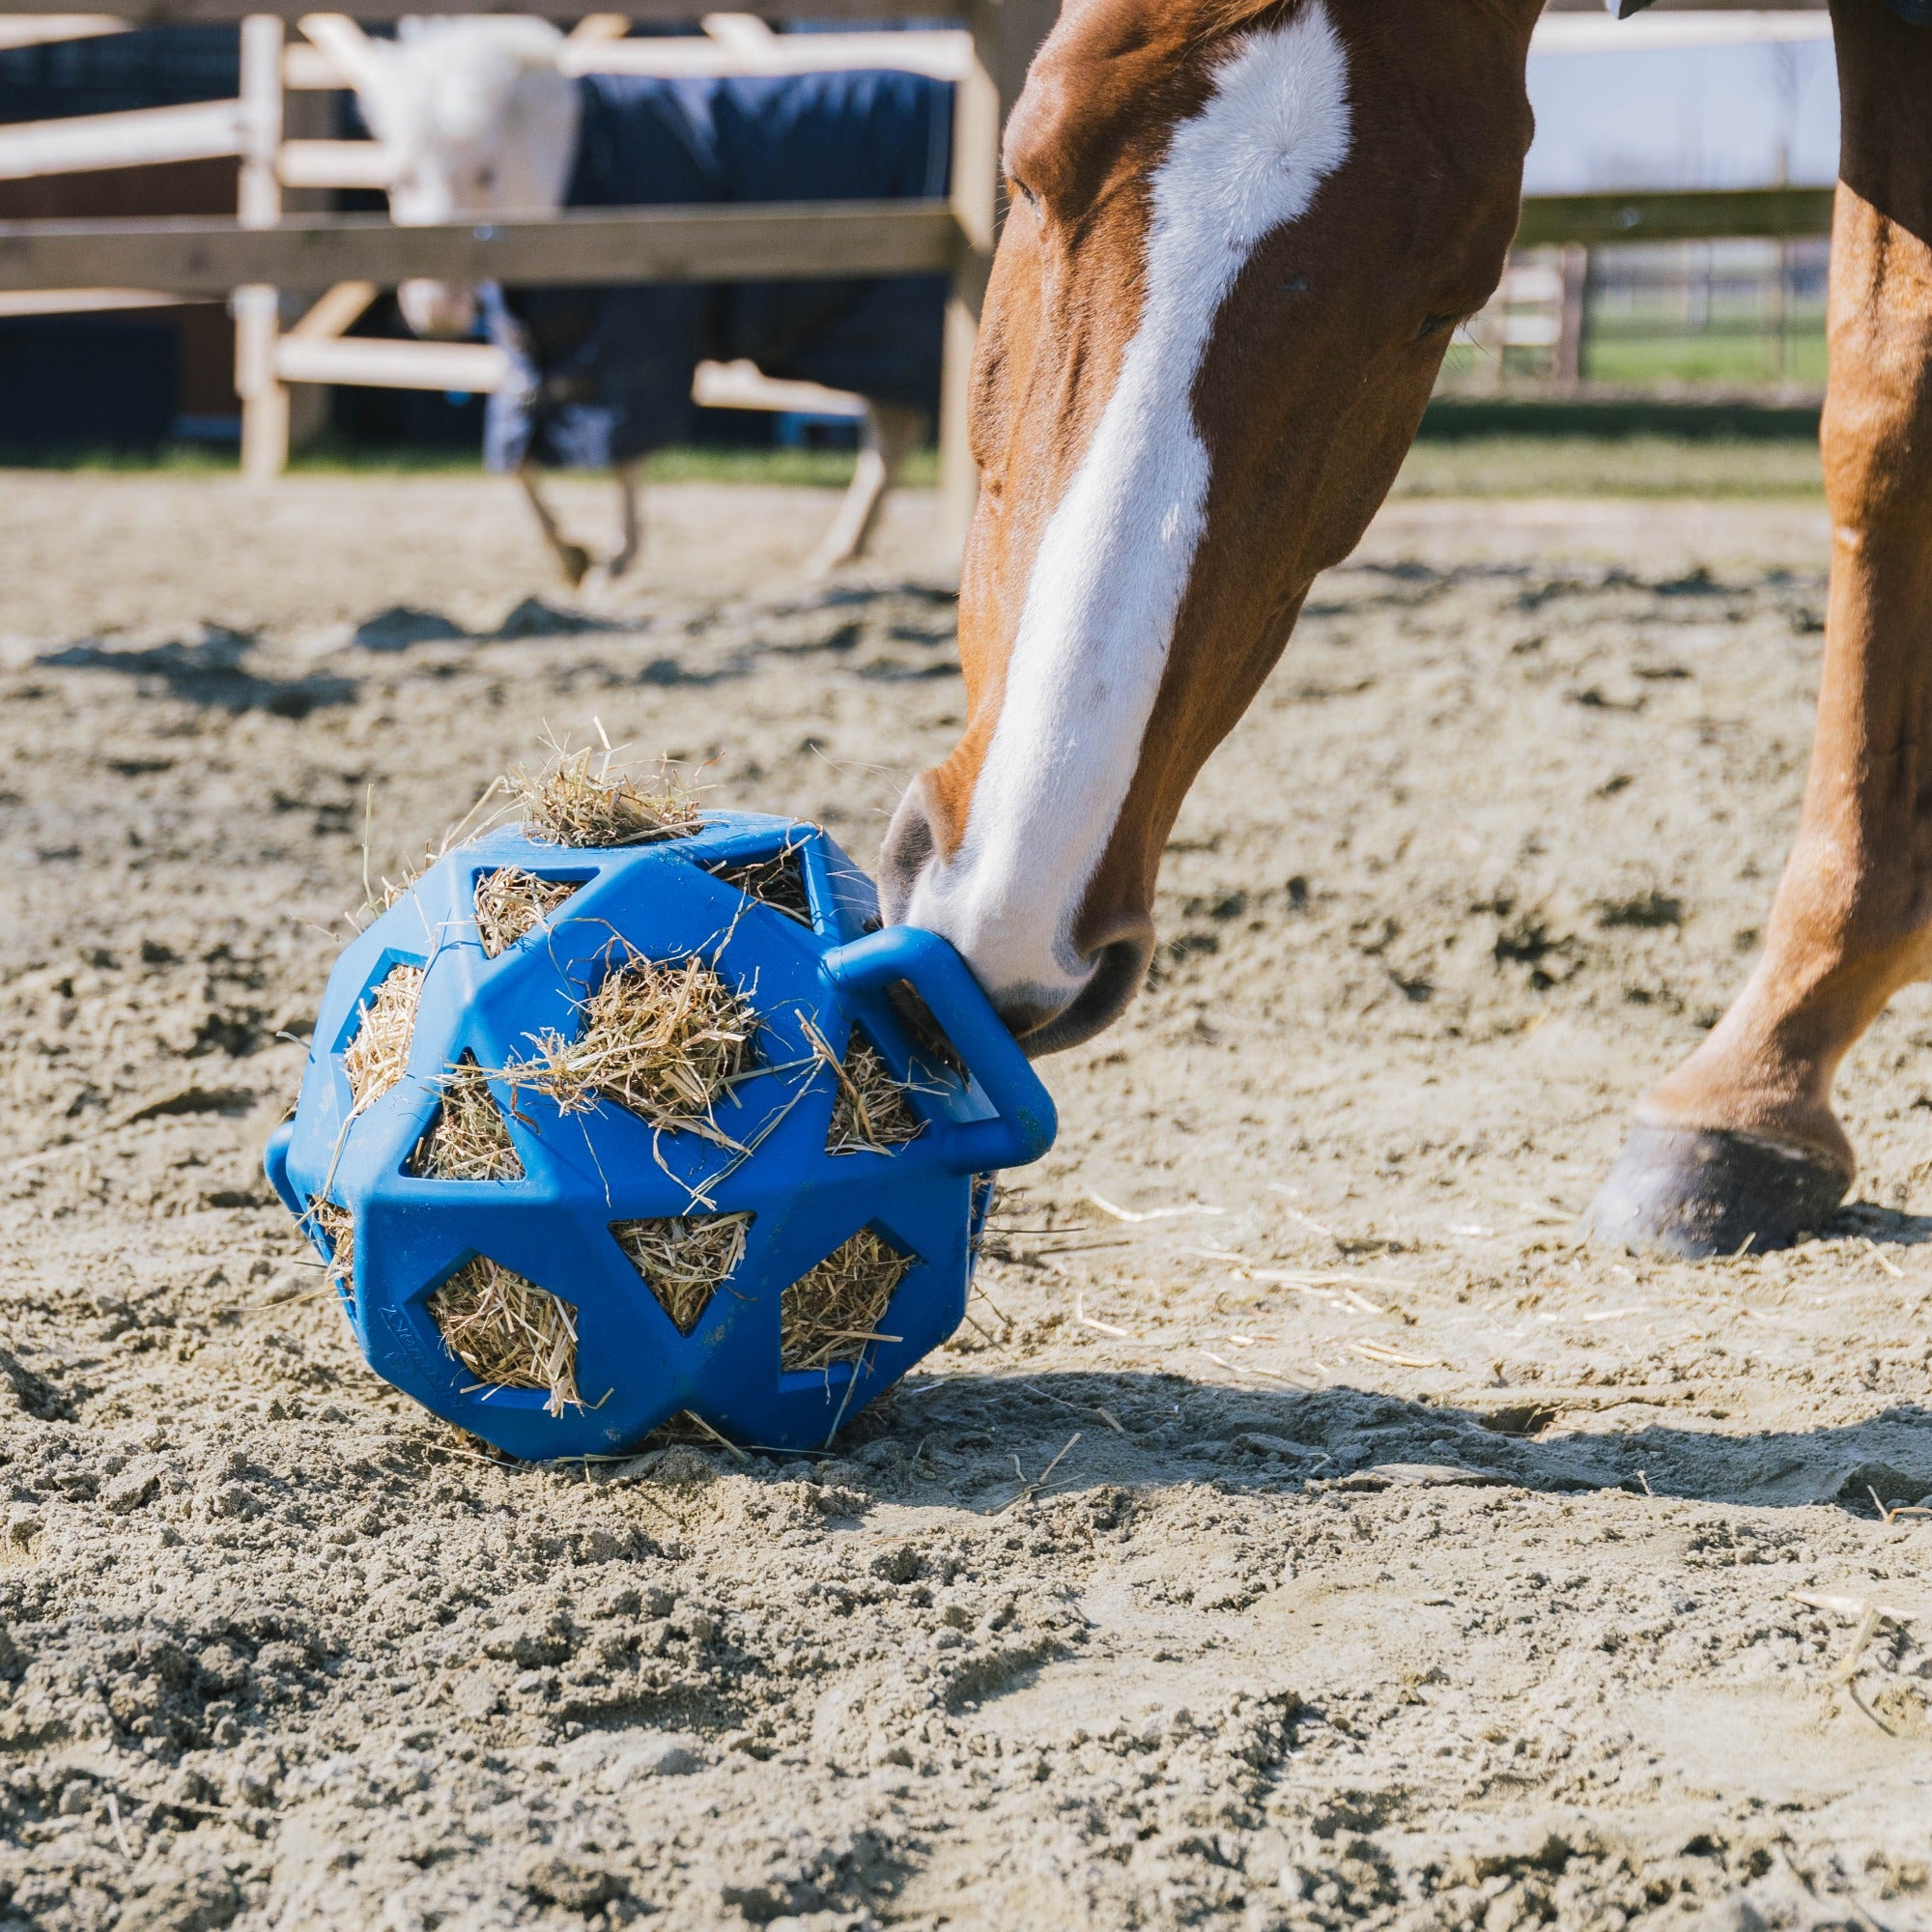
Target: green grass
[[1636, 466], [1469, 448], [824, 468], [1723, 360]]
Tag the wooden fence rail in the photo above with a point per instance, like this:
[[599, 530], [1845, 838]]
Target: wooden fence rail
[[1691, 215], [206, 256]]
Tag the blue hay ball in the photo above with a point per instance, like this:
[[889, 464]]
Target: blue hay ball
[[737, 895]]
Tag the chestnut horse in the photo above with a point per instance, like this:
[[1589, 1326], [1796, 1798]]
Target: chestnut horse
[[1241, 234]]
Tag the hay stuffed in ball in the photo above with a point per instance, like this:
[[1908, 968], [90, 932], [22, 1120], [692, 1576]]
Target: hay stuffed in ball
[[508, 1332], [336, 1226], [778, 882], [378, 1055], [511, 903], [665, 1040], [684, 1258], [580, 798], [831, 1314], [470, 1139], [871, 1113]]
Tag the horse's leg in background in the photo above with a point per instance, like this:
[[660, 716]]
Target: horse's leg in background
[[1740, 1144], [891, 433], [630, 527], [573, 559]]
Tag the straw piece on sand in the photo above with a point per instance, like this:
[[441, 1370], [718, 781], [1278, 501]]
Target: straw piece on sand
[[580, 799], [469, 1140], [508, 1332], [375, 1057], [668, 1041], [777, 881], [512, 903], [833, 1314], [683, 1260], [871, 1113], [336, 1226]]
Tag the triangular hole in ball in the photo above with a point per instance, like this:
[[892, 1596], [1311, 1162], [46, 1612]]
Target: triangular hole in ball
[[778, 882], [377, 1057], [871, 1113], [833, 1314], [508, 1332], [511, 903], [684, 1258], [468, 1139], [333, 1229]]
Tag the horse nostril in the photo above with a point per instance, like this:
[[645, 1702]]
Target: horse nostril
[[908, 849]]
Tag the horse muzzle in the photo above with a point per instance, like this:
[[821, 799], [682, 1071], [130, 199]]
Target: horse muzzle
[[443, 311], [1049, 1000]]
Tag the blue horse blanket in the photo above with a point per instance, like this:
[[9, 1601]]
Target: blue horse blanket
[[603, 375]]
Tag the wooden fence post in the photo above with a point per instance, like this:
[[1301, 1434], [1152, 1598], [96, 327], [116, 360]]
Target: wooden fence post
[[264, 402], [1005, 36], [1574, 323]]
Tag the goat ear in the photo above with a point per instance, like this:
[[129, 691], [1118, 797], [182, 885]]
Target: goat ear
[[359, 58]]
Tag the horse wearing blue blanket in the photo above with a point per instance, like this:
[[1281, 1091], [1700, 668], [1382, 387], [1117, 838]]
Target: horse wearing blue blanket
[[481, 122]]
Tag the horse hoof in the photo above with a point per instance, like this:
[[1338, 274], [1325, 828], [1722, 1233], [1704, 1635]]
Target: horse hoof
[[574, 561], [1690, 1195]]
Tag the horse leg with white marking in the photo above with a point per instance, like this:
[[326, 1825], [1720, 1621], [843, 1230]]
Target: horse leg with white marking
[[890, 433], [1741, 1144]]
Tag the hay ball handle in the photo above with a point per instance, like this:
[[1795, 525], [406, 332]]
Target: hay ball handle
[[1024, 1120]]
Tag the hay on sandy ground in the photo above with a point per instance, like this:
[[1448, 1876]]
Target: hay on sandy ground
[[778, 882], [469, 1139], [665, 1040], [336, 1226], [583, 798], [512, 903], [508, 1332], [377, 1055], [833, 1314], [685, 1258], [871, 1113]]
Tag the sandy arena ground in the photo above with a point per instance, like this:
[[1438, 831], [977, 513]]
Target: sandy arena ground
[[1326, 1540]]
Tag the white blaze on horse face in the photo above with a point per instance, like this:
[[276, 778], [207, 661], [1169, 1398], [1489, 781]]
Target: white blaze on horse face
[[1114, 563]]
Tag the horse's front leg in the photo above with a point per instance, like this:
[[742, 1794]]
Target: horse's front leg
[[1740, 1144]]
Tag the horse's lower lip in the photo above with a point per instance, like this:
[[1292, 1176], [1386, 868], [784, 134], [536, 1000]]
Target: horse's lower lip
[[1118, 968]]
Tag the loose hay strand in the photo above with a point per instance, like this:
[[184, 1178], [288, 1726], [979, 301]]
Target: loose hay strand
[[377, 1057], [508, 1332], [470, 1139], [832, 1313], [580, 798], [685, 1258], [511, 903], [665, 1040]]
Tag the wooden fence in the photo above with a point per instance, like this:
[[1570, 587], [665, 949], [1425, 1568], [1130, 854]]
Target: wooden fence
[[342, 261]]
